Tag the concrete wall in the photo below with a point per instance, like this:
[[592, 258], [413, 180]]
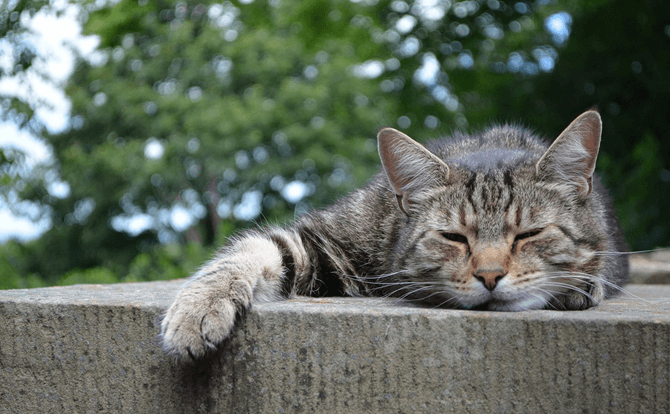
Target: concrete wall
[[85, 349]]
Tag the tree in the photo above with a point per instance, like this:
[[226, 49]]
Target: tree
[[200, 118], [617, 60], [18, 58]]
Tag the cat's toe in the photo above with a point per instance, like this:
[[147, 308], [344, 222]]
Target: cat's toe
[[181, 335], [190, 330], [575, 301], [217, 325]]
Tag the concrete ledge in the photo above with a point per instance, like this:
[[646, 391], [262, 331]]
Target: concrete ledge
[[94, 348], [651, 268]]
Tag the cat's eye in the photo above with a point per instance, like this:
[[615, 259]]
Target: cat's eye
[[455, 237], [527, 235]]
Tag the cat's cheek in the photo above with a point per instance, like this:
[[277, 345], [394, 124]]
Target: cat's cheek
[[450, 252], [440, 251], [532, 247], [591, 265], [460, 280], [547, 252], [525, 264]]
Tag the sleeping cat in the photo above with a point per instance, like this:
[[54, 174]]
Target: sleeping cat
[[498, 220]]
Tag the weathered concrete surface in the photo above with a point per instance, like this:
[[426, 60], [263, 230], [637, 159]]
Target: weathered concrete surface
[[85, 349], [651, 268]]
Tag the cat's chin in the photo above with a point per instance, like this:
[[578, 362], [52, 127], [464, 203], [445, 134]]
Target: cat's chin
[[531, 303], [535, 302], [502, 299]]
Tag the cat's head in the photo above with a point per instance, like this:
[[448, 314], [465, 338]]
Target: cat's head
[[499, 220]]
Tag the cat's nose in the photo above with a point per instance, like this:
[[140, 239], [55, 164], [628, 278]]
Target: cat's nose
[[490, 277]]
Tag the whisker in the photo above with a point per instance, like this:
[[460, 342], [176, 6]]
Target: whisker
[[552, 296], [403, 297], [573, 288], [385, 275], [414, 300], [438, 293], [413, 291], [543, 299], [394, 292], [404, 284], [400, 282], [629, 253], [451, 299], [372, 279], [586, 276]]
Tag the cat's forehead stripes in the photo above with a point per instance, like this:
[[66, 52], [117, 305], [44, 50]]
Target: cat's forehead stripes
[[518, 216], [462, 216], [489, 196]]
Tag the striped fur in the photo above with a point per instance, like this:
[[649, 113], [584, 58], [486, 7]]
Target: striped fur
[[496, 221]]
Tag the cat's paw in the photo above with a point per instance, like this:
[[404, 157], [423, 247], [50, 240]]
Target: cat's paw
[[587, 296], [197, 321]]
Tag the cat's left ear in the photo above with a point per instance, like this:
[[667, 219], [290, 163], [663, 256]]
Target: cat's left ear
[[571, 159], [409, 166]]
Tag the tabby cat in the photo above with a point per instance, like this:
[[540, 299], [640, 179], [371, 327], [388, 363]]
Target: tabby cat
[[498, 220]]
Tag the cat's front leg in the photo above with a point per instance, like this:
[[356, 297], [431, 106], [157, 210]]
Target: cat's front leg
[[204, 312]]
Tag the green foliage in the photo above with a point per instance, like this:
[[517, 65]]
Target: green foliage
[[12, 31], [171, 261], [239, 101], [206, 107], [92, 275], [166, 262], [10, 259], [618, 62]]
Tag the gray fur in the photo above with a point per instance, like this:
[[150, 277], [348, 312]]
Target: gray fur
[[497, 225], [490, 159]]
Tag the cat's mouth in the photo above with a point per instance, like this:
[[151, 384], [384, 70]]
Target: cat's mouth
[[507, 298]]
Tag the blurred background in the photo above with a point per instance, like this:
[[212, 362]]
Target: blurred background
[[137, 135]]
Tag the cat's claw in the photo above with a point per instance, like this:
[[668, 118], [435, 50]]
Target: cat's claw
[[196, 323]]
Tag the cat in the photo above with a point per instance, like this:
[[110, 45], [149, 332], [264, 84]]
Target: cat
[[499, 220]]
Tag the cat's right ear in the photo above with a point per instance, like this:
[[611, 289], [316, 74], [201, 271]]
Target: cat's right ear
[[571, 159], [409, 166]]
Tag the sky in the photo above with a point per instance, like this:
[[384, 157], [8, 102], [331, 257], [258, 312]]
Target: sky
[[56, 39]]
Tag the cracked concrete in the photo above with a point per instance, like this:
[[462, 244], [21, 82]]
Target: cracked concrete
[[93, 348]]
